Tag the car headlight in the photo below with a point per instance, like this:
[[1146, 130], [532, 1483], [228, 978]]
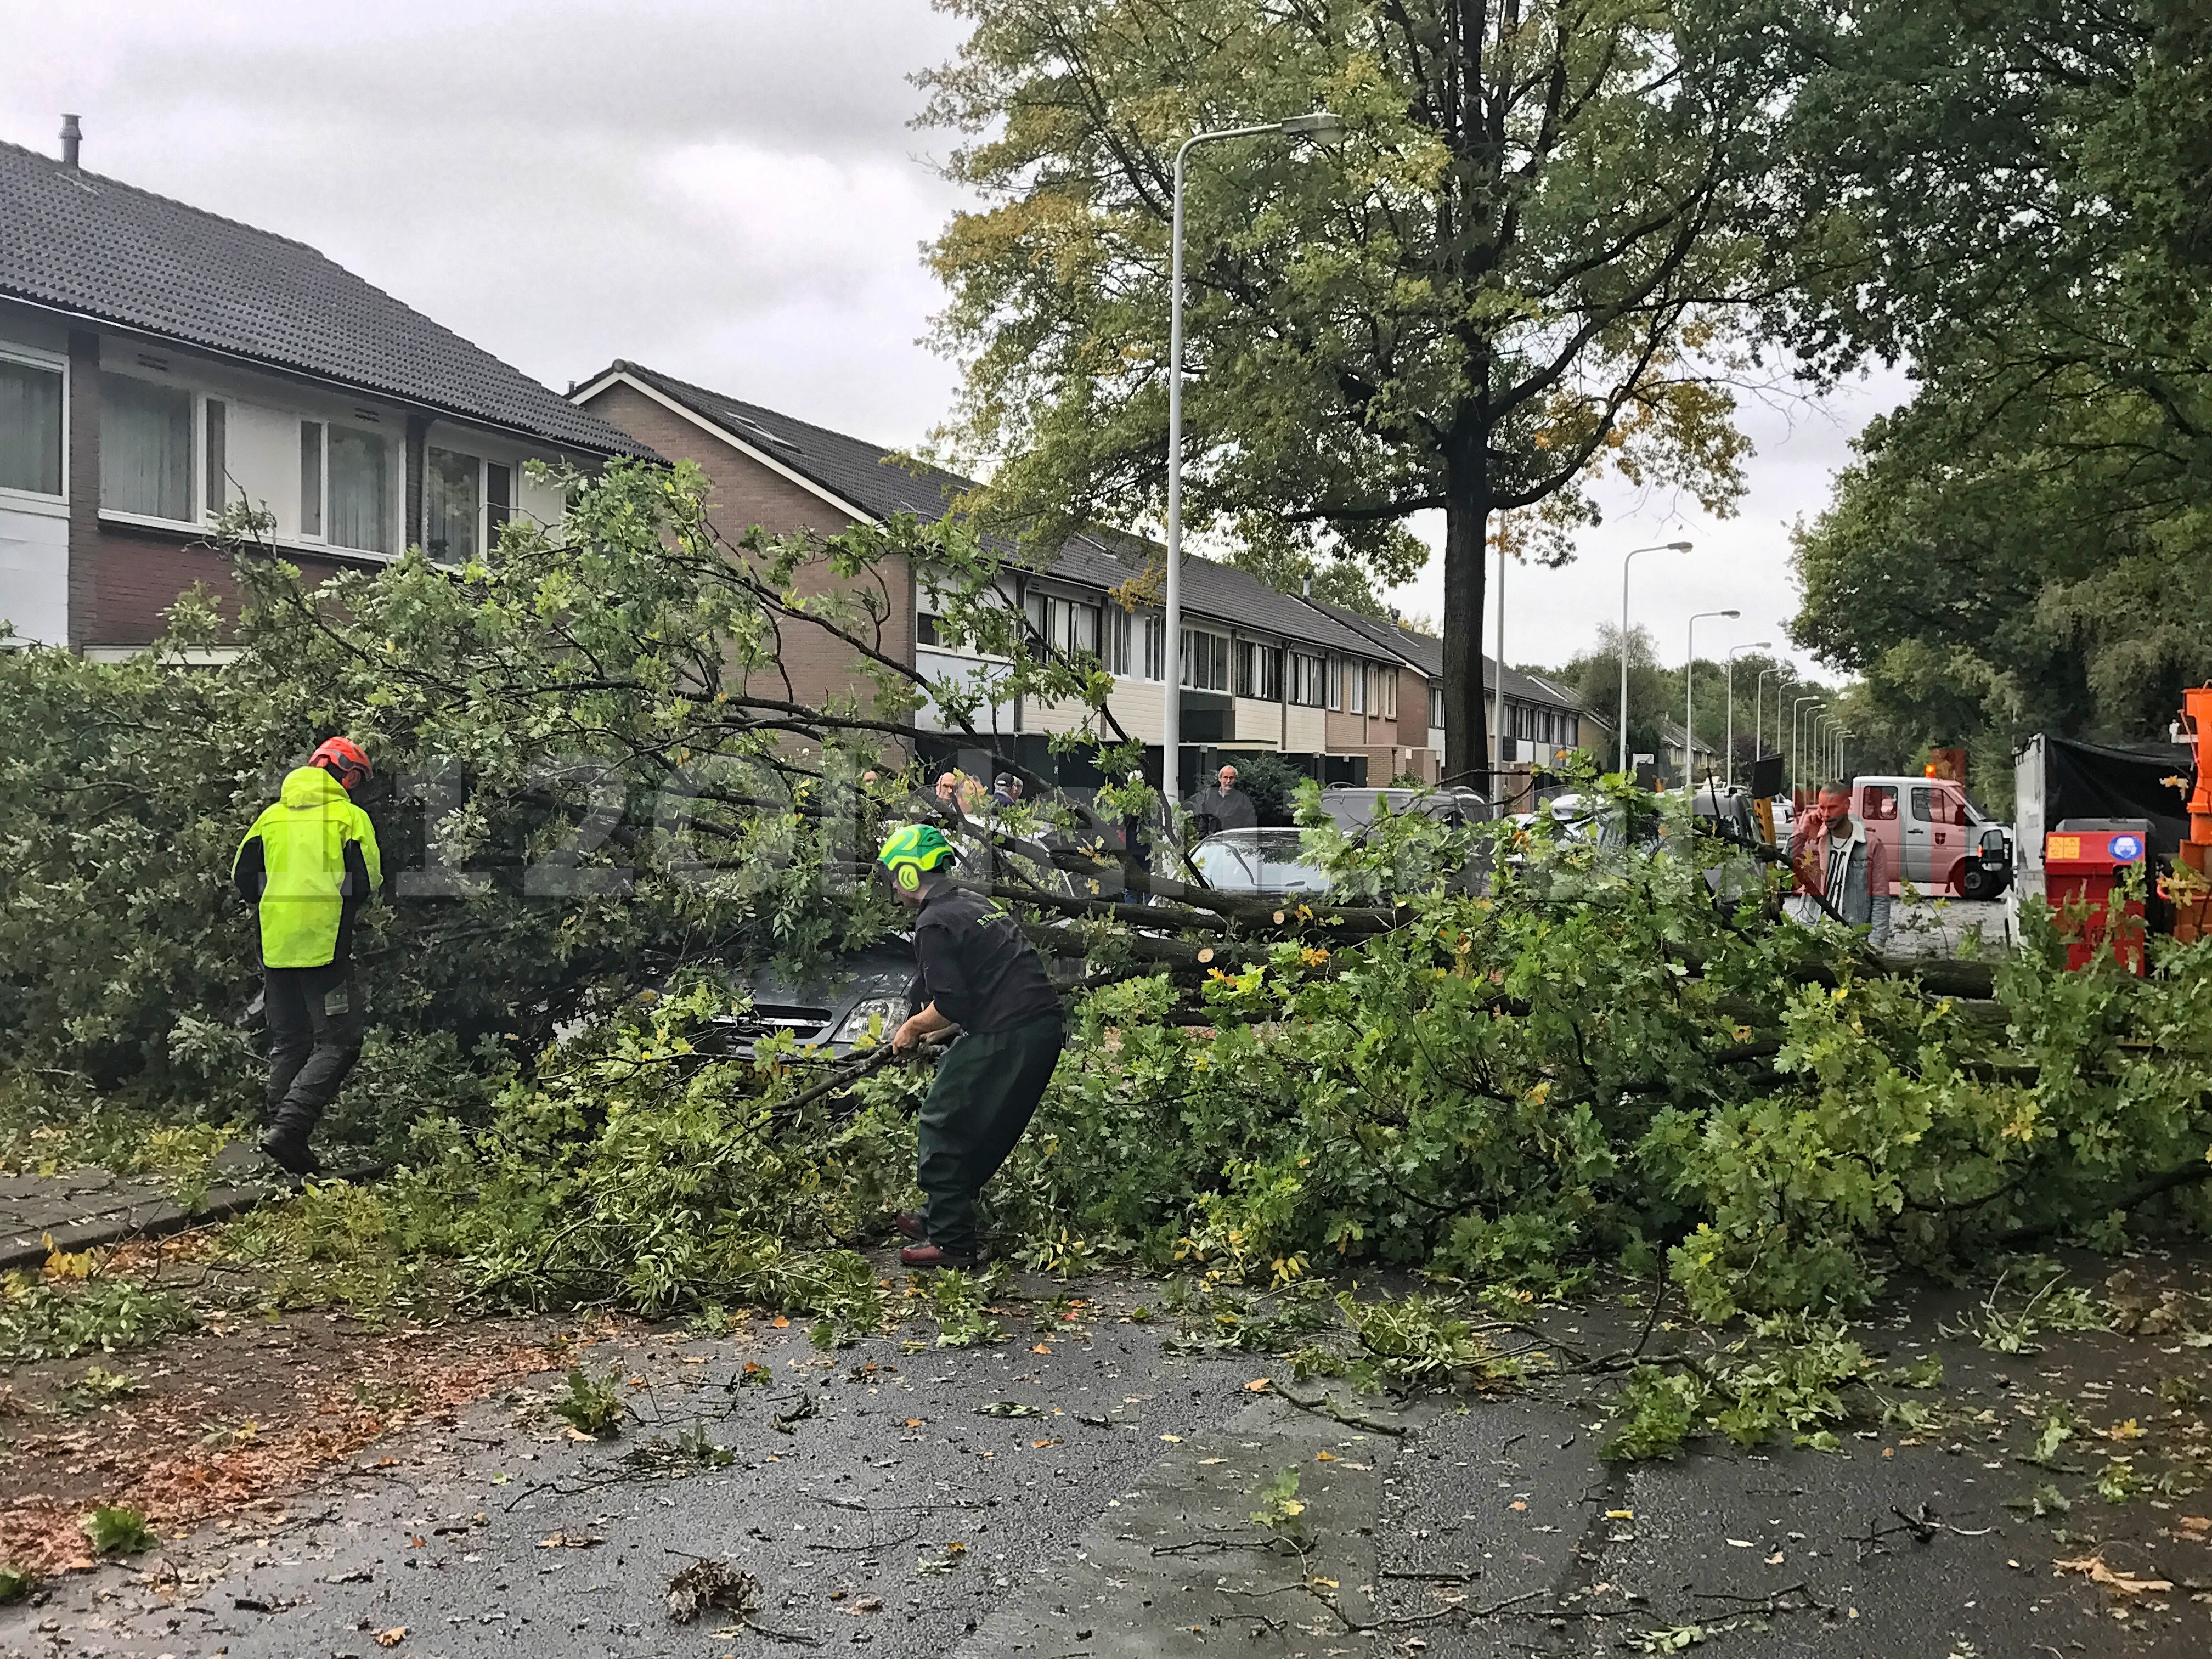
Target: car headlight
[[871, 1017]]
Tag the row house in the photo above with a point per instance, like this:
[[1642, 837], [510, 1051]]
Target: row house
[[159, 364], [1261, 671]]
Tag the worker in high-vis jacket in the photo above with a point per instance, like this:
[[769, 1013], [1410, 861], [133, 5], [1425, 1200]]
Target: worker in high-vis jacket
[[984, 979], [307, 866]]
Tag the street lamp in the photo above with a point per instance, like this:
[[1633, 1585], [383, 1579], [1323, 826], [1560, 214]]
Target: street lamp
[[1689, 686], [1782, 671], [1796, 759], [1626, 558], [1735, 652], [1322, 128]]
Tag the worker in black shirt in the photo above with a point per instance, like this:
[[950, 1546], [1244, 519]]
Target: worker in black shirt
[[982, 978]]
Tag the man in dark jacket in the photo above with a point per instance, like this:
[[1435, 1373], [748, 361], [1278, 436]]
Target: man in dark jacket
[[981, 977], [307, 866]]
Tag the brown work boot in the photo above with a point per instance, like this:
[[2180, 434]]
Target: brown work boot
[[930, 1256]]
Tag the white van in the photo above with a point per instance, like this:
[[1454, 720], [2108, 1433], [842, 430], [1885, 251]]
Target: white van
[[1939, 840]]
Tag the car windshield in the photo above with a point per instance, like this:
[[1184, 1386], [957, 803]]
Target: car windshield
[[1258, 861]]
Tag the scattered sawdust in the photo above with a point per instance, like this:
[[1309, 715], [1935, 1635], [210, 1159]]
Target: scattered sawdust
[[225, 1422]]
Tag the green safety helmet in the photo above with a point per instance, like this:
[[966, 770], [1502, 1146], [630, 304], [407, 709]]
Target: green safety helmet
[[912, 850]]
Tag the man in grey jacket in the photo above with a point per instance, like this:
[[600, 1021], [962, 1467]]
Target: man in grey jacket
[[1835, 857]]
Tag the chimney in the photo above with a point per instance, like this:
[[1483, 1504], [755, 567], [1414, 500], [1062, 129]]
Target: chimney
[[1308, 588], [72, 135]]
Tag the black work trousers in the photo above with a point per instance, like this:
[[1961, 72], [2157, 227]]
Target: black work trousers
[[987, 1090], [315, 1025]]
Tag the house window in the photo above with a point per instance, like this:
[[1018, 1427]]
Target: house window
[[925, 629], [1259, 671], [218, 456], [360, 497], [1067, 626], [30, 428], [450, 504], [1336, 682], [1435, 705], [1155, 647], [1205, 660], [1117, 640], [1390, 689], [1308, 677], [310, 477], [499, 501], [1355, 687], [145, 448]]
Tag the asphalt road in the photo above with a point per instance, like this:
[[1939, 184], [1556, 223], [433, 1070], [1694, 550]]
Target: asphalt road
[[1088, 1489]]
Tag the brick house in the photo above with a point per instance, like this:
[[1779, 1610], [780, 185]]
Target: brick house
[[1400, 728], [159, 362], [1261, 671]]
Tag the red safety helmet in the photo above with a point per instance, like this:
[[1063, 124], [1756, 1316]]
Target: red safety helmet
[[341, 758]]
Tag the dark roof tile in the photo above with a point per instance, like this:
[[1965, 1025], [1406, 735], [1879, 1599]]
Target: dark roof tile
[[98, 248]]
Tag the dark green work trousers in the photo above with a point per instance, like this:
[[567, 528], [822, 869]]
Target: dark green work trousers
[[987, 1090]]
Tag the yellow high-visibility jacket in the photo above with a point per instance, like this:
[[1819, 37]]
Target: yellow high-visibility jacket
[[309, 862]]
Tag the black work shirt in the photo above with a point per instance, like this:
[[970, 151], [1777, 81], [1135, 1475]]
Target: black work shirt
[[980, 971]]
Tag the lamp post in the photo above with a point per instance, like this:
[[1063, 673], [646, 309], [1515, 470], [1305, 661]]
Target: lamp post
[[1689, 688], [1321, 127], [1796, 759], [1735, 652], [1757, 691], [1626, 559]]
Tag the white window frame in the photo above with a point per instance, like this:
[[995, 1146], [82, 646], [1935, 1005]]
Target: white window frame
[[32, 357], [1155, 647], [484, 500], [1355, 682], [195, 471], [1229, 673], [320, 539]]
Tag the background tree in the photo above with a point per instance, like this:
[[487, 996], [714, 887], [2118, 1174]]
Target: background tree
[[2020, 548], [1507, 278]]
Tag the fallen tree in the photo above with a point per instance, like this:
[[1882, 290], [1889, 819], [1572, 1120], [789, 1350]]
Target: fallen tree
[[608, 813]]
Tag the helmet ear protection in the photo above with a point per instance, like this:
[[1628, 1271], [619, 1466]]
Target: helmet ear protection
[[908, 877]]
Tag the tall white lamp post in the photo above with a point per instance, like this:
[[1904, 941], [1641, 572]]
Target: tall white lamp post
[[1626, 559], [1735, 651], [1785, 673], [1321, 127], [1689, 690], [1796, 759]]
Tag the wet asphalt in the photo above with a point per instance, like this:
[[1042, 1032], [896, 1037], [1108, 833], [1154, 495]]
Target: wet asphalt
[[1088, 1489]]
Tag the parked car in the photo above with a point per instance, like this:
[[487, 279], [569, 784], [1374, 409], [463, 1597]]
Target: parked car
[[833, 1009], [1260, 863]]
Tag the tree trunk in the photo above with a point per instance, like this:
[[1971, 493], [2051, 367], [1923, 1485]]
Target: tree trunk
[[1467, 514]]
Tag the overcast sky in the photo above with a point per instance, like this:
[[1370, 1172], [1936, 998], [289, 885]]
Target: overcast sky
[[727, 189]]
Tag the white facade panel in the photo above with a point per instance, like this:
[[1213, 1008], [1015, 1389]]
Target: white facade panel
[[1258, 721], [261, 457], [996, 719], [34, 575], [1139, 706], [1307, 730], [543, 503]]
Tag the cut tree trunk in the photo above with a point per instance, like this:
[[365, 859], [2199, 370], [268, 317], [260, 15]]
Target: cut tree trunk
[[1467, 513]]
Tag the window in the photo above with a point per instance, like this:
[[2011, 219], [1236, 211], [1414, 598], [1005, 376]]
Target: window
[[1117, 640], [1878, 803], [218, 425], [1355, 687], [30, 428], [1435, 705], [1938, 805], [310, 477], [1571, 730], [1155, 647], [1259, 671], [1205, 660], [145, 448], [359, 497], [499, 501], [1389, 692], [925, 629], [450, 503], [1067, 626], [1336, 682], [1309, 680]]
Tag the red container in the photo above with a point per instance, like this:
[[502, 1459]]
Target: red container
[[2083, 860]]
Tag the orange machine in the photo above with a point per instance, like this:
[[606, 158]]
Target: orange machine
[[2192, 903]]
